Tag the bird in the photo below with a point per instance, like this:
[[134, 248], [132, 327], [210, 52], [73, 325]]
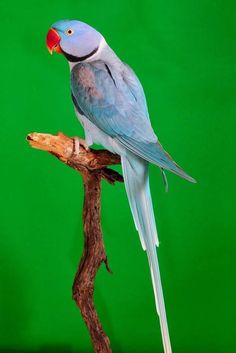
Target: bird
[[110, 104]]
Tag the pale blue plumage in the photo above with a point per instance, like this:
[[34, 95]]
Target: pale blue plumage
[[110, 103], [135, 172], [115, 103], [107, 99]]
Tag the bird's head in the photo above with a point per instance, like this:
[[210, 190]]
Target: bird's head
[[76, 40]]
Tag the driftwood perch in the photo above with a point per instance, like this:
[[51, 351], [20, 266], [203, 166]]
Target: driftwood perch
[[92, 165]]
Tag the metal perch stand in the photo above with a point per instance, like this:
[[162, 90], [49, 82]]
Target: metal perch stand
[[92, 165]]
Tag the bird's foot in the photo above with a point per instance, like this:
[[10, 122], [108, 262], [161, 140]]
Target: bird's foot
[[80, 142]]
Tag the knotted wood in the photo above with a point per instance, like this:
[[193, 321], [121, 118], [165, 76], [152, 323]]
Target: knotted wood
[[92, 165]]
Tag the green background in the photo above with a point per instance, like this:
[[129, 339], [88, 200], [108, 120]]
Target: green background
[[184, 53]]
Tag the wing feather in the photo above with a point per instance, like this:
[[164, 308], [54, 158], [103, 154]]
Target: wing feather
[[115, 103]]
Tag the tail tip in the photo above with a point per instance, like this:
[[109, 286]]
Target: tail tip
[[192, 180]]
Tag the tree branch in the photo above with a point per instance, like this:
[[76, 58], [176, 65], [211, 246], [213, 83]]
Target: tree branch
[[92, 165]]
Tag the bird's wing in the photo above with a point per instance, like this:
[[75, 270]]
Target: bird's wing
[[110, 102], [116, 104]]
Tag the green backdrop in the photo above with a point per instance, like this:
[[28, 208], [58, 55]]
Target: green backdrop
[[184, 53]]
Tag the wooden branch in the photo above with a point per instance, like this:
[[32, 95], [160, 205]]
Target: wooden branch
[[92, 165]]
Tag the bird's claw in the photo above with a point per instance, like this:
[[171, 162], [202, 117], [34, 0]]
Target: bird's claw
[[80, 142]]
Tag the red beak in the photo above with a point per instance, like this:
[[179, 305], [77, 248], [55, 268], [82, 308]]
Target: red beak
[[53, 41]]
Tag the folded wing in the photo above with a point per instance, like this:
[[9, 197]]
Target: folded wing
[[115, 103]]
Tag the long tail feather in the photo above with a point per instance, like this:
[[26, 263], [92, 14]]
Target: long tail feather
[[135, 172]]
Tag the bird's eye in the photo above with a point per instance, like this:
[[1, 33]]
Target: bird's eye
[[69, 32]]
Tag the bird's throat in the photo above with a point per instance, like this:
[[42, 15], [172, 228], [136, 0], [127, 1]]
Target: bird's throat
[[74, 59]]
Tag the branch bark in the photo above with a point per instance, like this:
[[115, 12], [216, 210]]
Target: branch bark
[[92, 165]]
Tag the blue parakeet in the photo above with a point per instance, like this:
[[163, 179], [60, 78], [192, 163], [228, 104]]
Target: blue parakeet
[[110, 104]]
